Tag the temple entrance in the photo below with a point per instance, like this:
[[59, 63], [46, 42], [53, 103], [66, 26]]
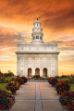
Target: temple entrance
[[45, 72], [29, 72], [37, 71]]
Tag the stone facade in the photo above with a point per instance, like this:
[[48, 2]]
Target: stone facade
[[37, 57]]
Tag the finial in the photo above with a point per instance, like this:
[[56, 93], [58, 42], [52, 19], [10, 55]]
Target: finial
[[37, 19]]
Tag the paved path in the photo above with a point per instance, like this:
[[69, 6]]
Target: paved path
[[37, 96]]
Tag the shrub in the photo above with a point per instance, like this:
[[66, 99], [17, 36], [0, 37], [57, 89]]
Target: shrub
[[11, 86], [21, 80], [6, 100], [64, 98], [71, 105], [59, 87], [8, 74], [36, 77], [62, 86], [67, 85], [24, 79], [15, 84], [53, 81], [67, 98]]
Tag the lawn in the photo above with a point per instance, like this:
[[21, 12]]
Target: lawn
[[64, 79], [72, 87], [4, 82], [8, 79], [3, 87]]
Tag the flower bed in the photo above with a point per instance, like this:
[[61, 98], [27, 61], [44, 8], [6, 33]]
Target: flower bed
[[53, 81], [8, 86], [6, 100], [67, 99], [63, 88], [12, 87], [15, 84], [21, 80]]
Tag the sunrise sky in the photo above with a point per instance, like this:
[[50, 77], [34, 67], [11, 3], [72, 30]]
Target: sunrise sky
[[57, 18]]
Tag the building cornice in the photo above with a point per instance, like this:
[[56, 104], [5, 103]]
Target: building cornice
[[37, 52]]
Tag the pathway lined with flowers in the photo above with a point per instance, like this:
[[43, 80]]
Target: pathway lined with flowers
[[37, 96]]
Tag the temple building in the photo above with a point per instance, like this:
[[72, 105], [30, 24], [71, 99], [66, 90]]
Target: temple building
[[37, 57]]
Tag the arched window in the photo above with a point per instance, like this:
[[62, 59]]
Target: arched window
[[37, 71], [45, 72], [29, 72]]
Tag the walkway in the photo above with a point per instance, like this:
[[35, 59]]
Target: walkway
[[37, 96]]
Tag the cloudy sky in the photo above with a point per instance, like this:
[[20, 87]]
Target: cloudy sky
[[57, 18]]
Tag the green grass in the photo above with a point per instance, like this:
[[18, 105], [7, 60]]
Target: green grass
[[72, 87], [4, 83], [3, 87], [8, 79], [64, 79]]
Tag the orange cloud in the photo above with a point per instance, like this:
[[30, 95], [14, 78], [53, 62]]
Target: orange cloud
[[56, 16]]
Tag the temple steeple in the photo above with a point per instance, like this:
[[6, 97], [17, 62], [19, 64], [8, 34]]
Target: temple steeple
[[37, 32]]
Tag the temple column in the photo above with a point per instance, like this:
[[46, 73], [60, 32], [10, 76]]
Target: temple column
[[41, 72], [33, 71]]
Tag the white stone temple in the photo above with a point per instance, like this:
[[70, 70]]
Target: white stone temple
[[37, 57]]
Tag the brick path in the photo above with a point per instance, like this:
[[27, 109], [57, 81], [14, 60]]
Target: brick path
[[37, 96]]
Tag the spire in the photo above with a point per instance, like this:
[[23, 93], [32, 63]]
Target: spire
[[37, 18], [37, 34]]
